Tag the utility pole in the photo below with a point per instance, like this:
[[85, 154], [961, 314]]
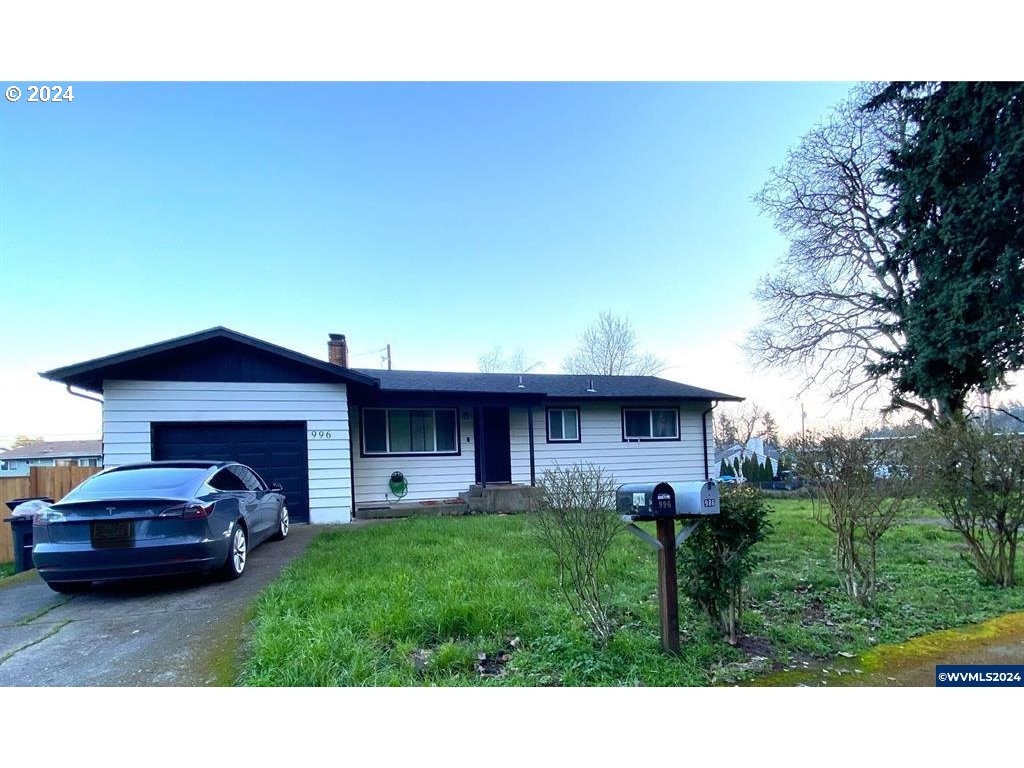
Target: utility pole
[[389, 355], [803, 423]]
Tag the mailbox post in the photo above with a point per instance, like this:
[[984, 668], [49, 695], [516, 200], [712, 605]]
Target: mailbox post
[[664, 503], [668, 589]]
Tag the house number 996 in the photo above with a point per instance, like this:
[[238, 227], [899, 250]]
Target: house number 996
[[319, 434]]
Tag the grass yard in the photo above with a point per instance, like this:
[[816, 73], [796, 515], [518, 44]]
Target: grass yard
[[416, 601]]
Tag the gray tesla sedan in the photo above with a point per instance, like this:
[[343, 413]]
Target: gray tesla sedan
[[157, 519]]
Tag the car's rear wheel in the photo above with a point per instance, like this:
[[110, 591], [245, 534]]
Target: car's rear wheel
[[238, 553], [282, 524], [69, 587]]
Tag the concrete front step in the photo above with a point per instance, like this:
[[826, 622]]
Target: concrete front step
[[476, 500], [498, 498], [412, 509]]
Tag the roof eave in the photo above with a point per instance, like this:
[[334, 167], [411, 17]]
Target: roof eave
[[68, 374]]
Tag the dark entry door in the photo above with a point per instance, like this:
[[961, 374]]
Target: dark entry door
[[496, 462], [276, 450]]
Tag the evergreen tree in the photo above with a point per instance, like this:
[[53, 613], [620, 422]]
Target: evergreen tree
[[771, 429], [736, 466], [723, 469], [769, 473], [959, 223]]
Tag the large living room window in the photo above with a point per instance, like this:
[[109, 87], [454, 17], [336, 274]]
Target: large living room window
[[389, 431], [650, 424]]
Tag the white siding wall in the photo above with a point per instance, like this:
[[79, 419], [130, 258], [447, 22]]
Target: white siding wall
[[430, 477], [601, 444], [131, 406]]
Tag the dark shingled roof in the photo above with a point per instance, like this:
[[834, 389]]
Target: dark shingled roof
[[55, 449], [549, 385], [207, 352]]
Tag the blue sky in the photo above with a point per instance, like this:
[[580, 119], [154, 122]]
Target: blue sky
[[443, 218]]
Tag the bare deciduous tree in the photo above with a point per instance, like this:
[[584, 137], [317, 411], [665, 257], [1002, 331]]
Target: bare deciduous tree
[[495, 361], [749, 424], [828, 304], [863, 490], [609, 348], [20, 441], [740, 423], [575, 517]]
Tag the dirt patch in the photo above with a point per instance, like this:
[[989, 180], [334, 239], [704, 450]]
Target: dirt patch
[[815, 613], [756, 646], [492, 664]]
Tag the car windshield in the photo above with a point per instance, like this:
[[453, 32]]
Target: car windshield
[[141, 482]]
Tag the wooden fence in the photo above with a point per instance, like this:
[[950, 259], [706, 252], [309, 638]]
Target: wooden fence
[[54, 482]]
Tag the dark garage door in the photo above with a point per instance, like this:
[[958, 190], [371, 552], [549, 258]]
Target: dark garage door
[[276, 450]]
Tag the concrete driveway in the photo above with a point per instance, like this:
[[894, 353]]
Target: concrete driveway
[[184, 631]]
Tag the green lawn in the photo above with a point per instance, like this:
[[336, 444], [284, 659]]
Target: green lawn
[[415, 601], [6, 569]]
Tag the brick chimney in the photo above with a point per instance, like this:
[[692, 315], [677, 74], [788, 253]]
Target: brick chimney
[[337, 350]]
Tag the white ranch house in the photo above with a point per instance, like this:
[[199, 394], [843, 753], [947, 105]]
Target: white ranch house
[[333, 436]]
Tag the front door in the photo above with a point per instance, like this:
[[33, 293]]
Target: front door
[[494, 446]]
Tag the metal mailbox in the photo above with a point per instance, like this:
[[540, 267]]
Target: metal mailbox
[[646, 500], [649, 501], [696, 499]]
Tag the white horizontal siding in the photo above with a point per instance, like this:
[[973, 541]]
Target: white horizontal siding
[[130, 408], [429, 477], [601, 444]]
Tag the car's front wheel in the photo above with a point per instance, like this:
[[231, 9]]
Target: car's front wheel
[[238, 554], [282, 524]]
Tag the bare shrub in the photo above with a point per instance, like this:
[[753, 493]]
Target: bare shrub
[[975, 477], [862, 489], [575, 517]]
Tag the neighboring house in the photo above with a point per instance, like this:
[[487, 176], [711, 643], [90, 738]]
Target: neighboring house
[[755, 447], [57, 453], [333, 435]]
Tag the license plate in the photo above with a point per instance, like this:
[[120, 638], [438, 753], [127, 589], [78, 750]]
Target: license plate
[[116, 533]]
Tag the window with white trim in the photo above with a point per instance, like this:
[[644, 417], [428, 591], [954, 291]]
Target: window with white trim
[[563, 425], [650, 424], [410, 430]]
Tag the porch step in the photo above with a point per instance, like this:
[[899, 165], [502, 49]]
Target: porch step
[[498, 498], [385, 511]]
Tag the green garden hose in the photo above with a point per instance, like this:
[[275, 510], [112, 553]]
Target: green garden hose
[[398, 485]]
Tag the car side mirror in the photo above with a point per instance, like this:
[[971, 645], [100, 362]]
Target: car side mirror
[[276, 487]]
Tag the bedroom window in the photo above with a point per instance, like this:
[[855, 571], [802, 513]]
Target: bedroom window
[[563, 425], [389, 431], [650, 424]]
